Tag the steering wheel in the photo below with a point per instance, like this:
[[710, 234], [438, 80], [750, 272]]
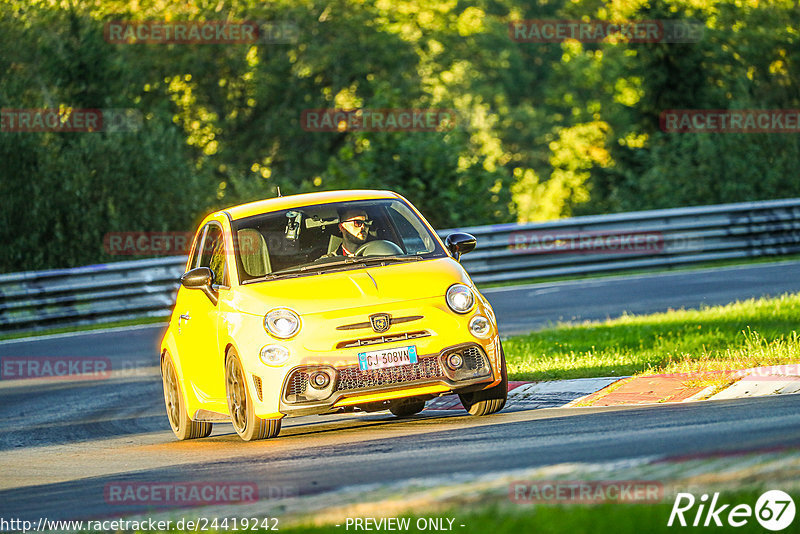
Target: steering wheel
[[379, 247]]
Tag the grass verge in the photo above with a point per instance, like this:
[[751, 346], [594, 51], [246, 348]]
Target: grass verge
[[740, 335], [619, 518]]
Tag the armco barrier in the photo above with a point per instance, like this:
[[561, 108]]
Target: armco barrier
[[581, 245]]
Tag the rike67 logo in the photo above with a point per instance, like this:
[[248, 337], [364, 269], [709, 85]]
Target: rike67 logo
[[774, 510]]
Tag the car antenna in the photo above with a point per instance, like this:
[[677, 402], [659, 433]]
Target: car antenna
[[279, 191]]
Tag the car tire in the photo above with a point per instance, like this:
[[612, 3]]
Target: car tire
[[182, 425], [407, 408], [488, 401], [241, 409]]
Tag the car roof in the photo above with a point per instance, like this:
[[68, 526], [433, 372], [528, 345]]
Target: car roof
[[306, 199]]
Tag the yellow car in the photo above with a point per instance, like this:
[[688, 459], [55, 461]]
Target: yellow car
[[325, 303]]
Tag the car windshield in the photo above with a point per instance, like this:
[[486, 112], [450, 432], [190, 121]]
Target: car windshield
[[309, 239]]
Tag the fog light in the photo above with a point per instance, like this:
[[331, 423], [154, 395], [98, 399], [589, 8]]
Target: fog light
[[320, 380], [455, 361], [480, 326], [274, 355]]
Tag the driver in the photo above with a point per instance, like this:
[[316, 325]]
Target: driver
[[354, 226]]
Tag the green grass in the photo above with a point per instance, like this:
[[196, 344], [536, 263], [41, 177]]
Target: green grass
[[576, 519], [735, 336]]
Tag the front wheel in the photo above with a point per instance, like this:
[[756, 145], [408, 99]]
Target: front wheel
[[488, 401], [247, 424], [182, 426]]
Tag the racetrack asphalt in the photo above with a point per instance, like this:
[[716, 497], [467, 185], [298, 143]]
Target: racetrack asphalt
[[63, 442]]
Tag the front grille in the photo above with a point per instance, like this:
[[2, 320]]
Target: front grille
[[297, 385], [475, 363], [473, 358], [257, 382], [382, 339], [354, 378]]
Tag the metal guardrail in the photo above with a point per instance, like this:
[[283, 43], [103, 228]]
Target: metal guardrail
[[635, 240], [505, 252]]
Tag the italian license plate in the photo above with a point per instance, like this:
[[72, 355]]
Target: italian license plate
[[379, 359]]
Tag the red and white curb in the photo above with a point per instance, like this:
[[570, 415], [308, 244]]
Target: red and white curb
[[679, 387], [755, 382], [760, 381]]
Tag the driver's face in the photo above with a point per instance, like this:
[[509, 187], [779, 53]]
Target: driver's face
[[356, 226]]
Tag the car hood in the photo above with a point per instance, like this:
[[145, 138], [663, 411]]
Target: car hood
[[353, 288]]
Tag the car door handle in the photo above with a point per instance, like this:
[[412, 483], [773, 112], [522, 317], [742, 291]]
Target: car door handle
[[184, 317]]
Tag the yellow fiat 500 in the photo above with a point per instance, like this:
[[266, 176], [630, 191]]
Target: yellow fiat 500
[[325, 303]]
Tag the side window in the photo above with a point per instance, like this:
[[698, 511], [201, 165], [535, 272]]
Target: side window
[[196, 249], [213, 254]]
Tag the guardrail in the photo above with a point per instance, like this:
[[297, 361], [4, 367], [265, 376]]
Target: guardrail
[[505, 252]]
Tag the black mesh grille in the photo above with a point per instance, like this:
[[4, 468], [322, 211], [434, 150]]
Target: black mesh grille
[[473, 358], [297, 384], [354, 378], [475, 363], [257, 381]]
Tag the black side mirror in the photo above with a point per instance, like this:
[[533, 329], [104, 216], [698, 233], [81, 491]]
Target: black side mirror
[[200, 278], [459, 243]]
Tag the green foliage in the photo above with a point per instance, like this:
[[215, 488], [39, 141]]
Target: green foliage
[[544, 130], [424, 168]]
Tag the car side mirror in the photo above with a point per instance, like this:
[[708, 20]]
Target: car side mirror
[[460, 243], [201, 278]]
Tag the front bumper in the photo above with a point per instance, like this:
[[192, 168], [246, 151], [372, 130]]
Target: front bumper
[[349, 386]]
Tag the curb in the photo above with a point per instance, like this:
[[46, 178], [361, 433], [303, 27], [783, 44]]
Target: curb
[[639, 390], [531, 395], [683, 387]]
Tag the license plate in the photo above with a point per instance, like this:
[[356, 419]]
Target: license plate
[[379, 359]]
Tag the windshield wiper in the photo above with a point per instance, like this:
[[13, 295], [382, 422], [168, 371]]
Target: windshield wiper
[[296, 271], [381, 259], [321, 267]]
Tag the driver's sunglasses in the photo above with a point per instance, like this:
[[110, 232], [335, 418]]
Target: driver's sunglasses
[[358, 223]]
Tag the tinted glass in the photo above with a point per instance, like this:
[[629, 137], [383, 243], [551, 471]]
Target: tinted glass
[[289, 239], [213, 254]]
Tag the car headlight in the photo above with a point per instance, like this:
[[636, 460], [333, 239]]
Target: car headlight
[[274, 355], [460, 298], [282, 323], [480, 326]]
